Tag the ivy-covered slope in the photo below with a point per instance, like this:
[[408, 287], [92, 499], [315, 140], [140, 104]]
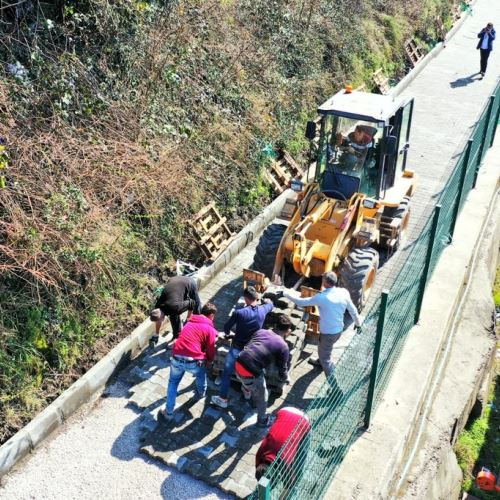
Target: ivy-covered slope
[[119, 120]]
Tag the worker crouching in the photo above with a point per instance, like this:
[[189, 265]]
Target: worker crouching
[[290, 433]]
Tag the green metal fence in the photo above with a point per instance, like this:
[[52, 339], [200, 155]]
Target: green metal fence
[[343, 407]]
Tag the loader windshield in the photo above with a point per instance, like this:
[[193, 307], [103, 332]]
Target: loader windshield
[[349, 147]]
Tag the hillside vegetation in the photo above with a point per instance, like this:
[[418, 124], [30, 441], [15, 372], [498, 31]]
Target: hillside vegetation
[[120, 119]]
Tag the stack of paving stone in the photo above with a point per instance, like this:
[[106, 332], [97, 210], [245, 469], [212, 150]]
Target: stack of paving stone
[[295, 340]]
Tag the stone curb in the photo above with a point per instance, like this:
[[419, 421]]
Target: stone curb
[[403, 84], [90, 384]]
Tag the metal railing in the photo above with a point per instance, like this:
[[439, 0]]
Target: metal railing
[[338, 417]]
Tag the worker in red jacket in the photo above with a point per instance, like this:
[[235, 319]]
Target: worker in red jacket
[[193, 350], [291, 428]]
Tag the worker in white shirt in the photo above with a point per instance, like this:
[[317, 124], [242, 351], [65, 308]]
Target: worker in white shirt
[[332, 303]]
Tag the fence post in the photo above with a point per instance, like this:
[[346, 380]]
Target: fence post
[[495, 124], [483, 139], [376, 355], [461, 183], [264, 488], [427, 266]]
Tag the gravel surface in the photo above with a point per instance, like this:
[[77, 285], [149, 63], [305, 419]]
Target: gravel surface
[[94, 456]]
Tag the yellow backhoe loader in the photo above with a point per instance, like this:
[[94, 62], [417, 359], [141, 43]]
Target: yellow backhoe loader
[[357, 200]]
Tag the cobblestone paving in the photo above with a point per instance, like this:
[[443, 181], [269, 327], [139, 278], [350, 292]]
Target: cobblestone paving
[[215, 445]]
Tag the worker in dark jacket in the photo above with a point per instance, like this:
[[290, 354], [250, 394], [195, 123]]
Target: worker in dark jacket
[[485, 45], [289, 438], [179, 295], [264, 348], [245, 321]]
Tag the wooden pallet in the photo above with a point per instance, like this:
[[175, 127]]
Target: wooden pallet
[[414, 52], [282, 171], [381, 81], [312, 328], [389, 230], [255, 279], [288, 208], [211, 232]]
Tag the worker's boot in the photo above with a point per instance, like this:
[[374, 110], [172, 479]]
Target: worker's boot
[[153, 341]]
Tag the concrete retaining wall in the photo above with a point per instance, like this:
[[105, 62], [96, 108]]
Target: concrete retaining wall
[[93, 382], [435, 473]]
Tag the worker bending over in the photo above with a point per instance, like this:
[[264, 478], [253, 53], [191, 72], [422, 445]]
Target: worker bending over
[[264, 348], [179, 295], [289, 433], [193, 350], [246, 321]]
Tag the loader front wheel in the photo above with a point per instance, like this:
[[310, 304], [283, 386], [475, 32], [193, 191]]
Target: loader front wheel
[[402, 212], [357, 274], [265, 253]]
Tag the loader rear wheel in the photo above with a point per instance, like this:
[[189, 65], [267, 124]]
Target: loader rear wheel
[[265, 253], [357, 274]]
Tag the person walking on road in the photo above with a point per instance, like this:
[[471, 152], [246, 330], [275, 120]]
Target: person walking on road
[[485, 45], [332, 303], [264, 348], [179, 295], [193, 350], [246, 321]]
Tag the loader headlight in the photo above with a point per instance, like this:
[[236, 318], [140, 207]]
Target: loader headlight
[[367, 203], [296, 185]]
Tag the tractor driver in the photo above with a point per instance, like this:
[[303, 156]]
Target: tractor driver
[[356, 147]]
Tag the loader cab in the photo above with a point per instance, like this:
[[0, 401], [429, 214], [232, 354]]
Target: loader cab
[[363, 144]]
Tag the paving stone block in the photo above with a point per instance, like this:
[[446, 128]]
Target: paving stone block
[[241, 491], [212, 413], [228, 439], [229, 486], [220, 425], [178, 417], [137, 375], [148, 423], [205, 451], [194, 468], [175, 460], [249, 482], [213, 465]]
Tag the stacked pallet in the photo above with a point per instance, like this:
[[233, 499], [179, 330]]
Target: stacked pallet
[[212, 235], [282, 171]]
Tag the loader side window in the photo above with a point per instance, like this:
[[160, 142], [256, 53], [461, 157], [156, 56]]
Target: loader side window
[[404, 136]]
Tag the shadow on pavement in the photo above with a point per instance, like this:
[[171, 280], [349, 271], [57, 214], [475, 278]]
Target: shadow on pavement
[[466, 80]]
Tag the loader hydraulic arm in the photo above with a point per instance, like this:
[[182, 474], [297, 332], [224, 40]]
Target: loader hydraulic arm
[[301, 256]]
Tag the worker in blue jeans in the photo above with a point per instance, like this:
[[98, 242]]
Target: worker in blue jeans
[[246, 321], [193, 350]]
